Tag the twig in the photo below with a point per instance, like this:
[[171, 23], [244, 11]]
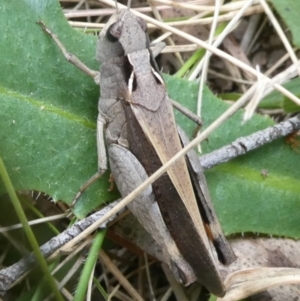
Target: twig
[[243, 145], [12, 275]]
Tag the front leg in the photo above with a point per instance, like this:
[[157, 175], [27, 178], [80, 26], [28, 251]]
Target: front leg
[[71, 57]]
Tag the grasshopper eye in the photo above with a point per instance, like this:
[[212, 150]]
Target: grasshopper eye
[[112, 33]]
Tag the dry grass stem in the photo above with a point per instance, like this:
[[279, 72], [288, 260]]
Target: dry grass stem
[[250, 32], [167, 294], [149, 281], [206, 62], [113, 292], [205, 8], [119, 276], [222, 18], [74, 268], [34, 222], [244, 283], [180, 48], [176, 287], [207, 57], [283, 77], [236, 73], [222, 36], [190, 22], [162, 38], [230, 78], [80, 247], [257, 34], [103, 12], [253, 103]]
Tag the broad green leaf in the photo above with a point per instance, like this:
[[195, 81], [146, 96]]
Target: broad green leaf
[[48, 110], [289, 11]]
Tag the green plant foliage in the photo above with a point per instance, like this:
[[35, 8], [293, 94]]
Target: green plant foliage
[[48, 110]]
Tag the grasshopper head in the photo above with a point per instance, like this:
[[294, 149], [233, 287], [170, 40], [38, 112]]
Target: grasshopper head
[[130, 31]]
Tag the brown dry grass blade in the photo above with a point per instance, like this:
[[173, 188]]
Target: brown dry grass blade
[[242, 284]]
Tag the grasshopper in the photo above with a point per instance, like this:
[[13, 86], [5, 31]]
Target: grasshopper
[[141, 135]]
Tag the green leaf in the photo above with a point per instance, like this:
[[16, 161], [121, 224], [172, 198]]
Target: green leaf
[[48, 110], [289, 11]]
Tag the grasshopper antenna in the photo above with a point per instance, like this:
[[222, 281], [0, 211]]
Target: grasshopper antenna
[[128, 4]]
